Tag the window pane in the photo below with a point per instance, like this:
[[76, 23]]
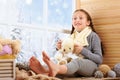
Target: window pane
[[59, 12], [21, 11], [55, 13], [30, 11], [33, 12]]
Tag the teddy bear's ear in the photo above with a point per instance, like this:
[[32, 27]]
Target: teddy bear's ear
[[67, 45]]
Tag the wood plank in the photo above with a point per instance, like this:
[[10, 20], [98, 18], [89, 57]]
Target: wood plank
[[6, 60], [97, 5], [6, 64], [7, 79], [7, 69], [6, 75], [105, 21]]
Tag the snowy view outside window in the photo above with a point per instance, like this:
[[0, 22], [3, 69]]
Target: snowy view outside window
[[37, 23]]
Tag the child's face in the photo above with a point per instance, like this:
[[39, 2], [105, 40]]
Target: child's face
[[79, 21]]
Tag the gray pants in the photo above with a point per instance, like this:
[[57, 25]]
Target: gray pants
[[83, 67]]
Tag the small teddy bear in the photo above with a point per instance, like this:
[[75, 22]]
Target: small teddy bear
[[9, 48], [67, 46], [65, 54], [104, 71]]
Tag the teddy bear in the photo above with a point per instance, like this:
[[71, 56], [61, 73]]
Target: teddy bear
[[65, 54], [104, 71], [67, 46], [9, 48]]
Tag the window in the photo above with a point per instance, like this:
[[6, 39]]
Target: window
[[37, 23], [37, 12]]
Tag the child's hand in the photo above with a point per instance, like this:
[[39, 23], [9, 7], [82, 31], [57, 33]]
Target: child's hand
[[77, 49], [58, 45]]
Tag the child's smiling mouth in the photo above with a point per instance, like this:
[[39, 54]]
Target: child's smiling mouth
[[78, 24]]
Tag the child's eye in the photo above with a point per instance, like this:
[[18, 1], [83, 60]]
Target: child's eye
[[74, 18], [80, 18], [70, 48]]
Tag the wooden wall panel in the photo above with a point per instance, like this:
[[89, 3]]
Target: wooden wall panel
[[106, 19]]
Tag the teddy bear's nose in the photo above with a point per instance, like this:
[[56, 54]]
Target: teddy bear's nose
[[64, 50]]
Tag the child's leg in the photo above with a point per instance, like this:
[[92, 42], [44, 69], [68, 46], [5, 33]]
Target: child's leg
[[84, 67], [37, 67], [54, 68]]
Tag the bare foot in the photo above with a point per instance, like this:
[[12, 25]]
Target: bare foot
[[44, 54], [37, 67], [53, 68]]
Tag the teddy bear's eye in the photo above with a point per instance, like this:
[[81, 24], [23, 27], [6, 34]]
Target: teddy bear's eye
[[70, 48]]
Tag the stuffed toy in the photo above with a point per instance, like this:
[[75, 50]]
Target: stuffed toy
[[67, 46], [60, 59], [104, 71], [65, 54], [9, 48], [116, 68]]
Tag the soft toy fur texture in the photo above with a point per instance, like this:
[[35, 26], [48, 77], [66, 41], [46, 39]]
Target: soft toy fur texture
[[104, 71], [13, 44], [65, 54], [60, 59], [23, 72], [61, 56], [67, 46]]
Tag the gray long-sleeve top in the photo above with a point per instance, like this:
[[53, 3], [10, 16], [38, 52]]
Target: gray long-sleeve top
[[93, 51]]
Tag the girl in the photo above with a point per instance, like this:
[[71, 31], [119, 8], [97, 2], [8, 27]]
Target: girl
[[89, 45]]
